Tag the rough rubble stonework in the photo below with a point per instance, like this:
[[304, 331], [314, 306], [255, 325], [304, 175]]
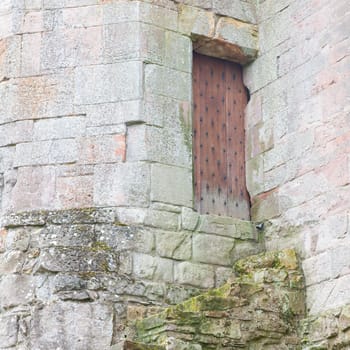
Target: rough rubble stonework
[[96, 221]]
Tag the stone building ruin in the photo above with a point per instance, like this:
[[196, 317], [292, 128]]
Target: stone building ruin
[[105, 240]]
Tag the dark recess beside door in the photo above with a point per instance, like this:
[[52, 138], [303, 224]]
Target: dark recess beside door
[[219, 100]]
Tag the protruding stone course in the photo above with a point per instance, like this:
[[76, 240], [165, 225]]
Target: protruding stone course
[[259, 308]]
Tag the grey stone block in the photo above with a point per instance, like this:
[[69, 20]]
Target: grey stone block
[[145, 241], [189, 219], [168, 82], [175, 245], [121, 11], [219, 225], [59, 128], [197, 275], [162, 219], [11, 262], [171, 185], [158, 15], [46, 152], [10, 57], [153, 268], [222, 275], [125, 184], [245, 36], [17, 290], [30, 195], [212, 249], [52, 95], [93, 326], [178, 52], [108, 83], [121, 42], [167, 145], [116, 113], [8, 331], [17, 132], [82, 16], [242, 10], [70, 259], [131, 215], [196, 21]]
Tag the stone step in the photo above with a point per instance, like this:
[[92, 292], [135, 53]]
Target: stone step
[[258, 309]]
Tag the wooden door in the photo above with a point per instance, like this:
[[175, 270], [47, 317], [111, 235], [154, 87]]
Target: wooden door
[[219, 100]]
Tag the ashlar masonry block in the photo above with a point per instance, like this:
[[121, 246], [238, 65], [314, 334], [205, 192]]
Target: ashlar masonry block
[[125, 184], [108, 83], [171, 185]]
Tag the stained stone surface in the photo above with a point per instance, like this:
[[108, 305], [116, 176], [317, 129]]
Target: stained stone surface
[[257, 309], [73, 279]]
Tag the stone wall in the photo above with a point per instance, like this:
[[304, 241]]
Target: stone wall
[[298, 139], [96, 167], [70, 279], [258, 309], [96, 113], [97, 99]]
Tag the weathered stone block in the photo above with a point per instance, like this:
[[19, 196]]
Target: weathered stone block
[[82, 216], [122, 184], [102, 149], [41, 96], [74, 192], [212, 249], [219, 225], [165, 145], [131, 215], [71, 235], [197, 275], [168, 82], [171, 185], [108, 83], [11, 262], [196, 21], [8, 331], [17, 290], [17, 132], [145, 241], [82, 16], [162, 219], [175, 245], [189, 219], [121, 42], [222, 275], [93, 326], [46, 152], [10, 57], [245, 36], [344, 318], [34, 189], [68, 259], [59, 128], [153, 268], [242, 10], [178, 52], [158, 15]]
